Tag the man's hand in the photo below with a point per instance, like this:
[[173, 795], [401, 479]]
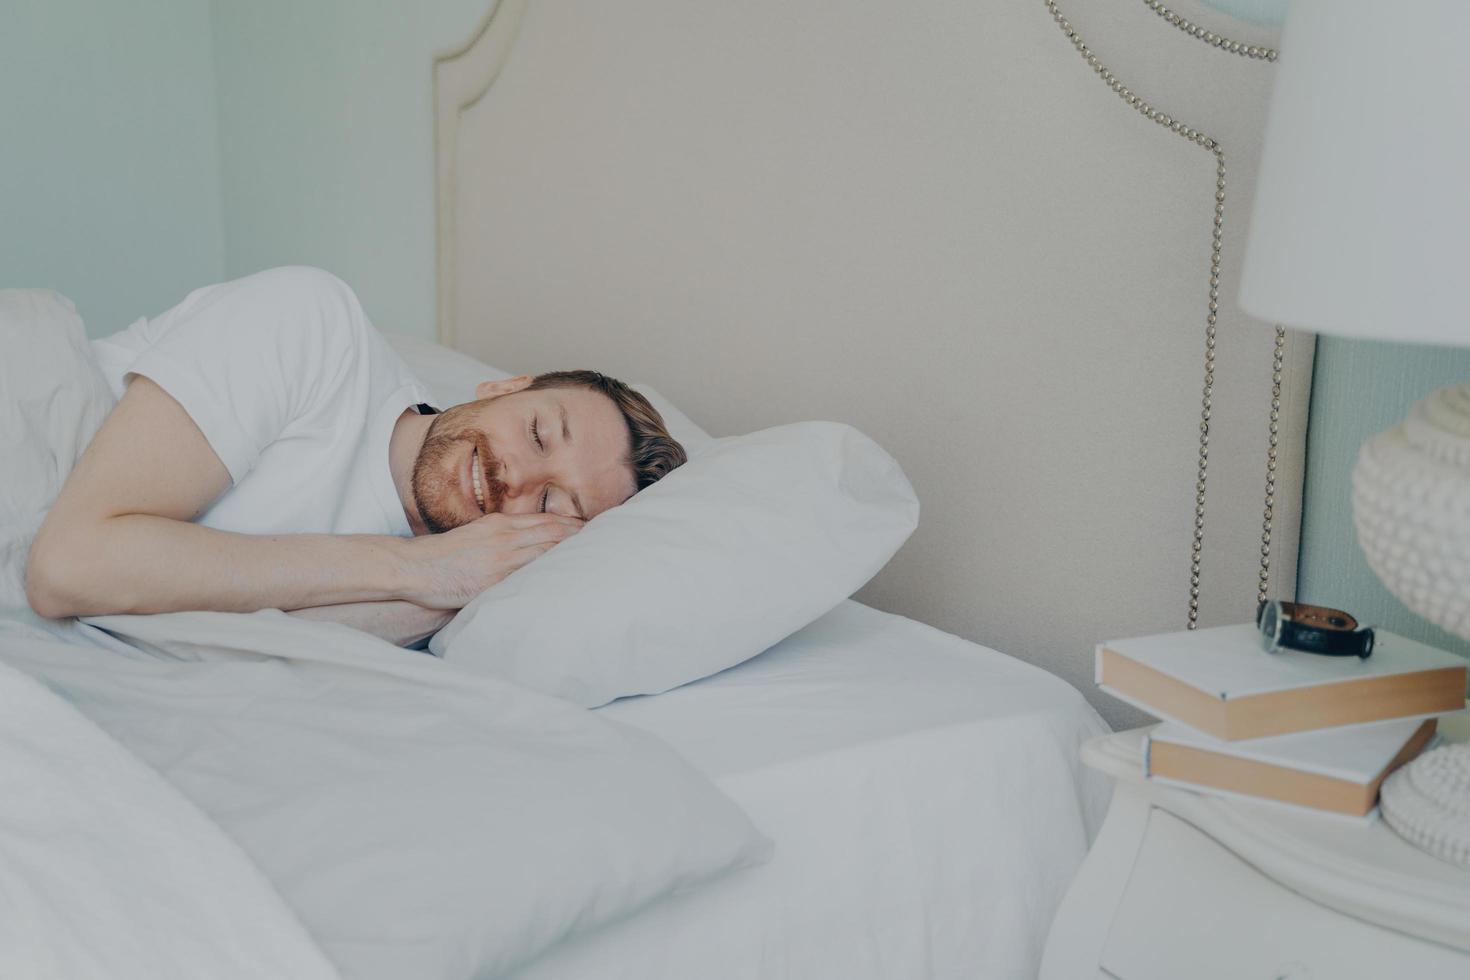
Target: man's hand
[[450, 569]]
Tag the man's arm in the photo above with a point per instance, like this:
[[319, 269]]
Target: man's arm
[[403, 624], [119, 539]]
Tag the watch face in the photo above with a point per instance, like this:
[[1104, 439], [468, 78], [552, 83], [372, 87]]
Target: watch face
[[1270, 622]]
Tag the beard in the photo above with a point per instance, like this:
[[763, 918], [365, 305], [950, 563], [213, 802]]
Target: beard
[[436, 486]]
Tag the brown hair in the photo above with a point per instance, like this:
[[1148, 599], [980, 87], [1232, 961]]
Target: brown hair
[[653, 452]]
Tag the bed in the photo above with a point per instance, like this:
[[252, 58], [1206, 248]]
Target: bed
[[869, 797]]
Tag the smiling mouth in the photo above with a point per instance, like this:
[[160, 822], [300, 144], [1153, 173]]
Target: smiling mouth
[[478, 480]]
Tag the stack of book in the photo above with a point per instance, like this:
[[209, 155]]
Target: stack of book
[[1298, 728]]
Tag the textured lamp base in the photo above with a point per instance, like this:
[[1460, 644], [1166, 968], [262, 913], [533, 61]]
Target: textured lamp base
[[1411, 505], [1428, 803]]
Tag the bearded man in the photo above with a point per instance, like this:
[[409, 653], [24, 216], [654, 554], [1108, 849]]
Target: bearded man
[[269, 449]]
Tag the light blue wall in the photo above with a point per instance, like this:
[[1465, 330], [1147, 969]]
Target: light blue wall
[[109, 154], [155, 146], [1259, 11], [327, 136], [1359, 389]]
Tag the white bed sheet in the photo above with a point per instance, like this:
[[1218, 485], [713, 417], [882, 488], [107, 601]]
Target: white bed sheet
[[925, 799]]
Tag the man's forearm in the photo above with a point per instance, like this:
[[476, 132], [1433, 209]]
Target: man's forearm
[[137, 563], [401, 623]]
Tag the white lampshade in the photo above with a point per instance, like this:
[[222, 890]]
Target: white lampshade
[[1361, 222]]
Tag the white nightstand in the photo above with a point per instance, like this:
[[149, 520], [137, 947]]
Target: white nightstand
[[1182, 885]]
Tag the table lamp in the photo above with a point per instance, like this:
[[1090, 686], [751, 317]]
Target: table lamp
[[1361, 228]]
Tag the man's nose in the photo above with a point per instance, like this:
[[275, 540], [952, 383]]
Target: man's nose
[[519, 496]]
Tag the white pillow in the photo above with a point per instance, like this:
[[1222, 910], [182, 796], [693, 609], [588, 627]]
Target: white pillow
[[450, 375], [53, 399], [752, 539]]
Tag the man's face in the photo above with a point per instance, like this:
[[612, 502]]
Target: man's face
[[559, 450]]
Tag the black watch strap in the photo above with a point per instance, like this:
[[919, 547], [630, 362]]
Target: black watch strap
[[1319, 629]]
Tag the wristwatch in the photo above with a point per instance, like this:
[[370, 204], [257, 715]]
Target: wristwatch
[[1311, 629]]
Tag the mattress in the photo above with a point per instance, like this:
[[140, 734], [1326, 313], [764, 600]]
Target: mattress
[[925, 799]]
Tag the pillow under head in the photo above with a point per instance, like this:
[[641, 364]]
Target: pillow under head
[[751, 540]]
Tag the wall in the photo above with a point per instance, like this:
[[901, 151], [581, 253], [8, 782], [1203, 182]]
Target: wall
[[156, 146], [1270, 12], [109, 176], [326, 132]]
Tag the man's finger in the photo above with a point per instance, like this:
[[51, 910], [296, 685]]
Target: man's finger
[[546, 533]]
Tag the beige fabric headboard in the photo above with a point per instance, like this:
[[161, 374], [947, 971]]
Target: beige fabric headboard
[[929, 219]]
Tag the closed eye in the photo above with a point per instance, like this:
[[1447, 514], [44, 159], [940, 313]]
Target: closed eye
[[545, 496], [536, 433]]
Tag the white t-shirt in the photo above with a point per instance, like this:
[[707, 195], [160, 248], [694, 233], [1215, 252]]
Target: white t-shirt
[[296, 392]]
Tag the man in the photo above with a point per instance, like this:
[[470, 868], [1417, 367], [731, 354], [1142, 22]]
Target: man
[[270, 450]]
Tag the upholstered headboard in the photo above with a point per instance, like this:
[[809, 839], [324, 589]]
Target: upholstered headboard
[[931, 219]]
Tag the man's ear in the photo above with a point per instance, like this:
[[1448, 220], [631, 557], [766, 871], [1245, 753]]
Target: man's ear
[[494, 389]]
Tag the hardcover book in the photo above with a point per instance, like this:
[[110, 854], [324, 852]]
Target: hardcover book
[[1337, 770], [1222, 682]]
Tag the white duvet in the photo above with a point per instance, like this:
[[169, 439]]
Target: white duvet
[[106, 871], [419, 822]]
